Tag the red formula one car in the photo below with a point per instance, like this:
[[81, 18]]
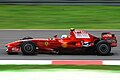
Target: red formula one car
[[78, 41]]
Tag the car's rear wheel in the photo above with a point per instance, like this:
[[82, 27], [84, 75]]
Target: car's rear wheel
[[103, 48], [28, 48]]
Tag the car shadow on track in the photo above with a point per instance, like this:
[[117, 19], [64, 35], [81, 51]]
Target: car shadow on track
[[82, 54]]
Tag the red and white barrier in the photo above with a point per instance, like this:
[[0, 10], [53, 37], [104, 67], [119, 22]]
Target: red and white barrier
[[60, 62]]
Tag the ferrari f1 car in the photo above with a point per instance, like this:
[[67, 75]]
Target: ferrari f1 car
[[78, 41]]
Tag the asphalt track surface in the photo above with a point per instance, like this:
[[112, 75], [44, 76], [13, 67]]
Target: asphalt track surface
[[7, 36]]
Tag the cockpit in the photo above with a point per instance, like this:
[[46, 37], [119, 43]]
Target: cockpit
[[64, 36]]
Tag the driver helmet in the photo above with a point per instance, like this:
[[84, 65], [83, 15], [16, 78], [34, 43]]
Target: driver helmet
[[72, 29]]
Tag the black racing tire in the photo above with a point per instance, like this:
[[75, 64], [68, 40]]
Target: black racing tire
[[103, 48], [26, 38], [28, 48]]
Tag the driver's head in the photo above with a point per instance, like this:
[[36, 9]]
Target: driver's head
[[72, 29]]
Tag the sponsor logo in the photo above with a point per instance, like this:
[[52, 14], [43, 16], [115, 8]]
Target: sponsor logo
[[46, 43], [64, 45]]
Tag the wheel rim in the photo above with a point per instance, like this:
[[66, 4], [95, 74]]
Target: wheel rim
[[28, 48], [103, 48]]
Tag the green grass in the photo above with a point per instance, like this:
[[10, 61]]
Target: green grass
[[59, 17], [21, 67]]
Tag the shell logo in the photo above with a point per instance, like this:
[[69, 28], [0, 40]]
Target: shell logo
[[64, 45], [46, 43]]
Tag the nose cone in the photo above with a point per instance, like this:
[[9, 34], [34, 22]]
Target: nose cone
[[16, 43]]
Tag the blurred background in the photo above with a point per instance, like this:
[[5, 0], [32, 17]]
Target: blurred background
[[56, 0], [59, 14], [63, 2]]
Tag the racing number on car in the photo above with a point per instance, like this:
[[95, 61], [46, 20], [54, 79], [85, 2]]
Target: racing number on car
[[46, 43]]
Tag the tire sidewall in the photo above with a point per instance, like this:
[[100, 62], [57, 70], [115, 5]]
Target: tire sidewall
[[28, 48]]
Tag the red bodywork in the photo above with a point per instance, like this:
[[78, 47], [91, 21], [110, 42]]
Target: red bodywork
[[76, 41]]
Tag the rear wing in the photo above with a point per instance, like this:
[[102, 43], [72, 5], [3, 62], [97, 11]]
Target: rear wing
[[110, 38]]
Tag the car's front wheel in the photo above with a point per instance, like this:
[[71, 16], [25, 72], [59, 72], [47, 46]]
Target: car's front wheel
[[28, 48], [103, 48]]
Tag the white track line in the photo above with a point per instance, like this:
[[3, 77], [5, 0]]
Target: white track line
[[111, 62], [22, 62]]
